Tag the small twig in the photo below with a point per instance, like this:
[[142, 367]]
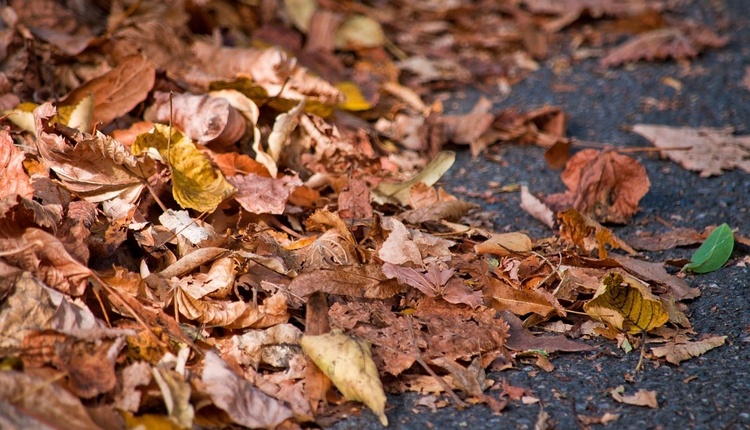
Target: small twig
[[639, 366]]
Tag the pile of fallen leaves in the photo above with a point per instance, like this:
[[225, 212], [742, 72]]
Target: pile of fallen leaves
[[196, 230]]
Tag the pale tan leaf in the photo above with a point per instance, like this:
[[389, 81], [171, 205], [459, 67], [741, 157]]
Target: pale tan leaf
[[707, 150], [678, 352], [398, 248], [534, 207], [505, 244], [175, 391], [348, 363], [640, 398]]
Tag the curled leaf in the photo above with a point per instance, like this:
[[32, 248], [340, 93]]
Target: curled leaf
[[714, 252], [399, 193]]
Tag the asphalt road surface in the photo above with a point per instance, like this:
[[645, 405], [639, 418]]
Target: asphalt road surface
[[708, 392]]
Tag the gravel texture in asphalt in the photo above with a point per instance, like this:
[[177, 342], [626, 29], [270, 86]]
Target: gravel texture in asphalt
[[707, 392]]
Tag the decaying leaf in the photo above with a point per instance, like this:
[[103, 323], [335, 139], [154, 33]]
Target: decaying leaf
[[348, 363], [627, 304], [604, 185], [707, 150], [680, 351]]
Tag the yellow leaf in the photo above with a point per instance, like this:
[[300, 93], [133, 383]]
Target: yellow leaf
[[22, 116], [348, 363], [355, 101], [82, 115], [195, 183], [627, 304], [359, 31]]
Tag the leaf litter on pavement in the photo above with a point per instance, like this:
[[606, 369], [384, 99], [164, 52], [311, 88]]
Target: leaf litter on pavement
[[213, 213]]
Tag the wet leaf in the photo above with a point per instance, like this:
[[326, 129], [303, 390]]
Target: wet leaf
[[348, 363], [627, 304], [714, 252]]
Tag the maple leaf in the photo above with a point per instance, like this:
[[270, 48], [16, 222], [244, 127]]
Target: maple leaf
[[604, 185]]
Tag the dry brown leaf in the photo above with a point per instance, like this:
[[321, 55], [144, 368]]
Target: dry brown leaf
[[244, 403], [683, 41], [588, 235], [568, 12], [13, 177], [354, 201], [707, 150], [656, 272], [365, 280], [604, 185], [520, 301], [50, 403], [118, 91], [676, 352], [260, 195], [640, 398], [672, 239], [451, 211], [521, 339], [534, 207], [505, 244]]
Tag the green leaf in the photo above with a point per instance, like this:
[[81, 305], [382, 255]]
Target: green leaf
[[714, 252]]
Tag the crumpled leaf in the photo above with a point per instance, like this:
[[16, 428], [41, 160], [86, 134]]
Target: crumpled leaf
[[176, 393], [13, 177], [348, 363], [604, 185], [97, 168], [707, 150], [195, 183], [521, 339], [714, 252], [626, 304], [588, 234], [244, 403], [399, 193], [180, 223], [676, 352]]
